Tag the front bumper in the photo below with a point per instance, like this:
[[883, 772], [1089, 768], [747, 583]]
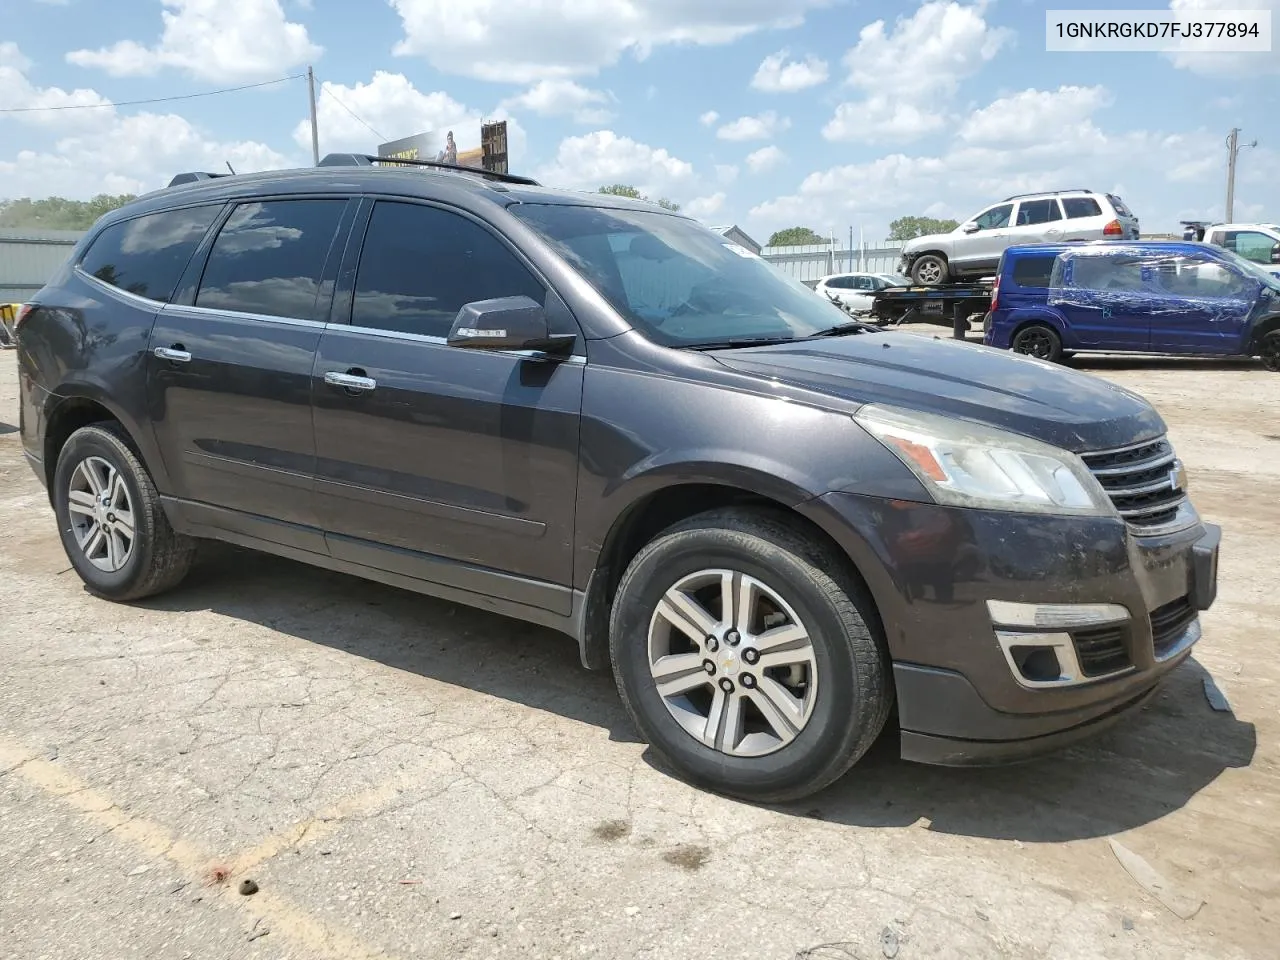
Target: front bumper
[[933, 570]]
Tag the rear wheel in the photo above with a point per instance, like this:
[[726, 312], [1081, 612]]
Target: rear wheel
[[1269, 350], [113, 528], [744, 652], [1038, 341], [929, 270]]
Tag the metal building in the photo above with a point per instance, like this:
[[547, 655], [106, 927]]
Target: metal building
[[29, 256]]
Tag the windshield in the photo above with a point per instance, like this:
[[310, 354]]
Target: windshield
[[681, 284]]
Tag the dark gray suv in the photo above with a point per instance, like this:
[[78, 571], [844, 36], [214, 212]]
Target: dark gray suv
[[773, 524]]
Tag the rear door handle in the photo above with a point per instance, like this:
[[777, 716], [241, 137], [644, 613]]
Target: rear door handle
[[175, 354], [349, 381]]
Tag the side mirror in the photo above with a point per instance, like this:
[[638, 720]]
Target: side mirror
[[1275, 254], [971, 227], [506, 323]]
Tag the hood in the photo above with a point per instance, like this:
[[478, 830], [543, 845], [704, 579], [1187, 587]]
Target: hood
[[1074, 411], [929, 240]]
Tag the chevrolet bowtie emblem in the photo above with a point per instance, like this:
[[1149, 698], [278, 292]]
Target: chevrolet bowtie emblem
[[1178, 476]]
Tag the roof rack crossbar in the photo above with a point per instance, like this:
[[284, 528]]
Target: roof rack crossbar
[[1044, 193], [365, 160]]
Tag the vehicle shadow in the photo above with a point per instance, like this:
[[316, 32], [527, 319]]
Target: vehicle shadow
[[7, 428], [1145, 768]]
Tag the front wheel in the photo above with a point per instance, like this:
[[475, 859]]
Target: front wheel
[[745, 653], [1038, 341], [1269, 350], [929, 270]]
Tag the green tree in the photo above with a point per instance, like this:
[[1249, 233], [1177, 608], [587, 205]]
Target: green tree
[[796, 237], [626, 190], [58, 213], [908, 228]]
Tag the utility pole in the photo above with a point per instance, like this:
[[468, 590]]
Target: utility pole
[[315, 131], [1233, 151]]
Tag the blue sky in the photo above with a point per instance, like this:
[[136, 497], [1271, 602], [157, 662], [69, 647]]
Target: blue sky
[[766, 113]]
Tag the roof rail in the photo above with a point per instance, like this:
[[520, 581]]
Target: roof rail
[[368, 160], [193, 177], [1043, 193]]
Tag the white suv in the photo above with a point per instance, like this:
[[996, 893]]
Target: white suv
[[973, 249]]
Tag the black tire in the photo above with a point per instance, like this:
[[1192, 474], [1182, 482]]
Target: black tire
[[854, 692], [1269, 351], [159, 558], [1039, 341], [930, 270]]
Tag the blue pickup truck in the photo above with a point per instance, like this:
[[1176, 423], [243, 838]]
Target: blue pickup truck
[[1153, 297]]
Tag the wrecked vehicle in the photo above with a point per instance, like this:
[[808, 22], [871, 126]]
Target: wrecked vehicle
[[1157, 297]]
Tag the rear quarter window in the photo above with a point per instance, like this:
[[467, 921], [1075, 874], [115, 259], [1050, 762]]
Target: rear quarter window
[[1079, 207], [1033, 271], [146, 255]]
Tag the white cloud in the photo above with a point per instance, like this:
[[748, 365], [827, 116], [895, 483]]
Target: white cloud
[[958, 182], [601, 158], [908, 73], [101, 151], [555, 98], [703, 207], [878, 119], [17, 92], [563, 38], [778, 75], [762, 127], [395, 108], [726, 173], [212, 40], [708, 118], [765, 159], [1229, 64], [1034, 115]]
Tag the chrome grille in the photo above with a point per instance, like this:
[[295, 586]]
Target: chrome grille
[[1143, 481]]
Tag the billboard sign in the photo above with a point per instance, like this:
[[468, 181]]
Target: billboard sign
[[490, 154]]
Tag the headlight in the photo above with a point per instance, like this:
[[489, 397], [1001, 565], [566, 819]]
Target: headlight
[[968, 465]]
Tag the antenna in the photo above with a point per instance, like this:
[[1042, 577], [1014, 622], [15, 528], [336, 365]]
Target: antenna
[[230, 167]]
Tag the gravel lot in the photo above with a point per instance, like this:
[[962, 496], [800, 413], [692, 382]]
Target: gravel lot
[[402, 777]]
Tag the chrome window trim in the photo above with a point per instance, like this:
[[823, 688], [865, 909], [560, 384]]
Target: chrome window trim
[[242, 315], [124, 294]]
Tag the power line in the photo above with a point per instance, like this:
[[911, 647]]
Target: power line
[[324, 89], [135, 103]]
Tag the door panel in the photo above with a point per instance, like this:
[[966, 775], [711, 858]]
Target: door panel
[[459, 454], [230, 385], [445, 456], [1202, 306], [984, 247]]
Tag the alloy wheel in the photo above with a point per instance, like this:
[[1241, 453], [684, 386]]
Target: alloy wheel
[[102, 518], [732, 662], [1036, 343]]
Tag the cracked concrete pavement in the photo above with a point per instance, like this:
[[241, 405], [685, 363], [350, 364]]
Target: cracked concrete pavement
[[408, 778]]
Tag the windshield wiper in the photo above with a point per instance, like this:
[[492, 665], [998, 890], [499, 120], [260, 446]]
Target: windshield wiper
[[844, 329], [732, 342]]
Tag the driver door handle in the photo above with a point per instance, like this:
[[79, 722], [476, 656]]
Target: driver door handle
[[174, 354], [349, 381]]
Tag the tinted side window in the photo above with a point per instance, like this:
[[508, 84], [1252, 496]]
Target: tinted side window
[[147, 255], [1038, 211], [420, 265], [995, 217], [1032, 271], [269, 256], [1080, 207]]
